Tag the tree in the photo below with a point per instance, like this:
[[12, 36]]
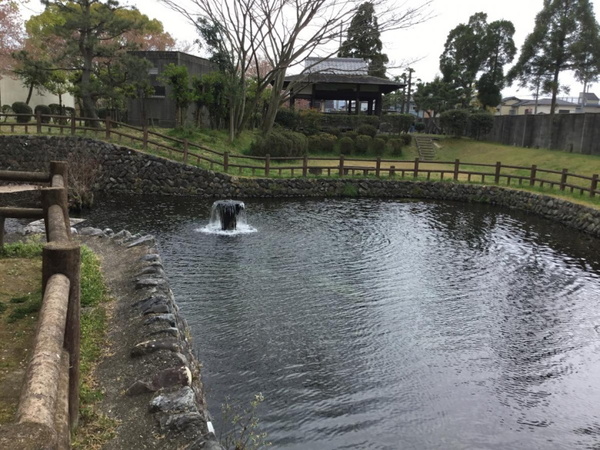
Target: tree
[[363, 40], [178, 78], [565, 37], [35, 74], [86, 34], [11, 35], [474, 48], [435, 98], [242, 33]]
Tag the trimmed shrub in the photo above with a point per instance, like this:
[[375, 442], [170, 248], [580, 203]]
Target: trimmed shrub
[[326, 142], [406, 139], [399, 123], [280, 143], [396, 146], [346, 145], [420, 127], [367, 130], [378, 147], [310, 121], [287, 118], [362, 144], [44, 111], [480, 123], [24, 109], [348, 121], [455, 122], [350, 134], [332, 130]]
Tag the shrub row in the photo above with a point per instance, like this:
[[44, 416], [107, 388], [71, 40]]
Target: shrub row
[[280, 143], [460, 122]]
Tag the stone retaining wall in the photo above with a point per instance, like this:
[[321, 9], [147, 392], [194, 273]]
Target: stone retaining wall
[[123, 170]]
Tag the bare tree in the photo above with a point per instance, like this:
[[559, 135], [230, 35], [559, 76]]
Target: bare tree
[[242, 33]]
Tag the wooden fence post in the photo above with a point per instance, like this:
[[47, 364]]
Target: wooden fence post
[[1, 232], [145, 137], [186, 148], [378, 167], [594, 185], [416, 170], [305, 166], [393, 171], [456, 168], [73, 125], [38, 121], [341, 165], [532, 176], [225, 161], [107, 127], [497, 175], [267, 164], [563, 179]]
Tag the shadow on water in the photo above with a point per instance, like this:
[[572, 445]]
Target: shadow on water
[[388, 324]]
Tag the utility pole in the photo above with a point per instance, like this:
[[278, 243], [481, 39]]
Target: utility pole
[[410, 72]]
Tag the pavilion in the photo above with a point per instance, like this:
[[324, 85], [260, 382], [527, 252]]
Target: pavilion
[[339, 79]]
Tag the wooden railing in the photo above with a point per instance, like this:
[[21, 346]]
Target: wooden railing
[[267, 166], [49, 405]]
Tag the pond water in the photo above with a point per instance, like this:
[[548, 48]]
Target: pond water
[[388, 324]]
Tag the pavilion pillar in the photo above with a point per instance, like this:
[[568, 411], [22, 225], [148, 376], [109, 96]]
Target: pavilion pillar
[[378, 105], [370, 108], [292, 102], [357, 99]]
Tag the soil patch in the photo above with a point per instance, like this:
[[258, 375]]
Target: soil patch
[[20, 287]]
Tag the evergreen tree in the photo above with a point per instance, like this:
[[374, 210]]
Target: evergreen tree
[[364, 41], [478, 47], [565, 37]]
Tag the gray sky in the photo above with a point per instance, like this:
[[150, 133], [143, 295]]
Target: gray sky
[[420, 45]]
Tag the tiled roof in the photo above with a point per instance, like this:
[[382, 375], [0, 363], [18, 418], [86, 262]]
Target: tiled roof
[[346, 66], [545, 101]]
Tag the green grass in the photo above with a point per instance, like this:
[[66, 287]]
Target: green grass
[[30, 304], [95, 428], [28, 249], [488, 153]]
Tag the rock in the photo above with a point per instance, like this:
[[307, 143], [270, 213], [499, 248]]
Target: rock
[[147, 347], [143, 283], [91, 231], [151, 257], [173, 332], [183, 400], [181, 422], [139, 387], [180, 376], [166, 318]]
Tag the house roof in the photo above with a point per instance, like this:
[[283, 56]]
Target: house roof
[[347, 66], [589, 96], [545, 102], [385, 85]]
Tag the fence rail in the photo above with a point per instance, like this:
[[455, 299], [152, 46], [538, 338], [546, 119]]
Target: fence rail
[[268, 166], [49, 405]]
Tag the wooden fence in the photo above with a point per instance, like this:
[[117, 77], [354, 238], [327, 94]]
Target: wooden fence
[[267, 166], [49, 405]]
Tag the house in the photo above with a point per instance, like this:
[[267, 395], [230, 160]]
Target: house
[[345, 81], [159, 108], [13, 90], [513, 106]]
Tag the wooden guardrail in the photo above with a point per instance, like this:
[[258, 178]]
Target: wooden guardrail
[[267, 166], [49, 404]]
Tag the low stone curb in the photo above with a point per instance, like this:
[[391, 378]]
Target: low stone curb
[[178, 403]]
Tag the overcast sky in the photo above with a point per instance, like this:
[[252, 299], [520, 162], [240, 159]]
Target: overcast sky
[[421, 44]]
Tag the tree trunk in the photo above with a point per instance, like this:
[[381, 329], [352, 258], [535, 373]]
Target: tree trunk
[[29, 94], [274, 103]]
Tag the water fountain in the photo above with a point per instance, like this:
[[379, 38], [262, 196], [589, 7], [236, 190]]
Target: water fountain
[[228, 216]]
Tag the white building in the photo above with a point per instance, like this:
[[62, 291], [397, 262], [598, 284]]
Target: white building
[[12, 90]]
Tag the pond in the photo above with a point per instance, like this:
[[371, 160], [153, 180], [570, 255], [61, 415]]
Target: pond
[[387, 324]]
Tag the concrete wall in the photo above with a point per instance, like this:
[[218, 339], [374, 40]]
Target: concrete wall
[[121, 169], [577, 133], [12, 90]]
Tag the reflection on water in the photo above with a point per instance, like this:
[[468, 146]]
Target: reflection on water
[[387, 324]]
